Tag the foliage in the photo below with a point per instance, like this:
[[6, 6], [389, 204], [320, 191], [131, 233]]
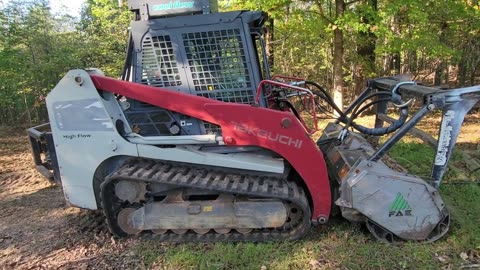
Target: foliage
[[34, 52], [104, 26], [39, 47], [400, 36], [422, 40]]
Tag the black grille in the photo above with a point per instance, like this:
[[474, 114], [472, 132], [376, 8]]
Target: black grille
[[218, 65], [159, 62], [211, 128], [150, 123]]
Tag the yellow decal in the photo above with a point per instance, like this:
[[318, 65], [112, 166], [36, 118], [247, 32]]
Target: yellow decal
[[207, 208]]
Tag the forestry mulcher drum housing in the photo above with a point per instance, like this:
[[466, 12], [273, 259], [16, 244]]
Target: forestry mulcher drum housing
[[197, 142]]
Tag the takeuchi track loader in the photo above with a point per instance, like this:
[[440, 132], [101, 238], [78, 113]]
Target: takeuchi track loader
[[198, 142]]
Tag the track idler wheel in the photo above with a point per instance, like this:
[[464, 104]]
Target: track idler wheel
[[201, 231], [244, 230], [130, 191], [124, 221], [159, 231], [222, 231]]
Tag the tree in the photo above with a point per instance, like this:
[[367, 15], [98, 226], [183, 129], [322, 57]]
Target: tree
[[338, 52], [339, 43], [35, 53], [104, 27]]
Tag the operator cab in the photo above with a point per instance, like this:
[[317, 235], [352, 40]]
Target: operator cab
[[187, 46]]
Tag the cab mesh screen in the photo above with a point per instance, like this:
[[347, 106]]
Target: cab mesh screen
[[217, 63], [159, 62]]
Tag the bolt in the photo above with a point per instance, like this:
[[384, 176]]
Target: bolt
[[286, 122], [322, 220], [431, 107], [113, 146], [369, 164], [229, 140], [79, 80]]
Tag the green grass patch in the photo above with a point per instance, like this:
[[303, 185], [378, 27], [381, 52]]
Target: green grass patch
[[343, 245]]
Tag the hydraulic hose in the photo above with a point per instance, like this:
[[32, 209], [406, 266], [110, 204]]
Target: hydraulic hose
[[357, 110], [394, 98]]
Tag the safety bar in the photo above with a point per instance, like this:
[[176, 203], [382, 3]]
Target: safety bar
[[284, 77], [454, 104], [295, 88]]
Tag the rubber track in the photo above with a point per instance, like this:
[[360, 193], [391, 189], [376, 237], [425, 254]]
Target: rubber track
[[194, 177]]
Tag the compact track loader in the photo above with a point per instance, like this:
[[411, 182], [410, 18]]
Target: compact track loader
[[198, 142]]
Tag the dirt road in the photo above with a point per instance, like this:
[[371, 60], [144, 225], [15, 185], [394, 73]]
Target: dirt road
[[38, 229]]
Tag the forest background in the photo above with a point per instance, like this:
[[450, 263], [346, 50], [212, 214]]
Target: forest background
[[339, 43]]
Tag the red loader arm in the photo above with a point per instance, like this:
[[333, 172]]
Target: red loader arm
[[244, 125]]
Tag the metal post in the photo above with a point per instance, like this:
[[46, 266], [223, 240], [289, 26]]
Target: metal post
[[452, 119], [400, 133]]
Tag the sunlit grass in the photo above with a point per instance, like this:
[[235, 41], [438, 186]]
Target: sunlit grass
[[343, 245]]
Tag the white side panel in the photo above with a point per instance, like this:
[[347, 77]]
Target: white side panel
[[243, 161], [84, 136]]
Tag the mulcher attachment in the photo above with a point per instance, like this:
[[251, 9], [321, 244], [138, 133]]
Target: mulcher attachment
[[395, 206]]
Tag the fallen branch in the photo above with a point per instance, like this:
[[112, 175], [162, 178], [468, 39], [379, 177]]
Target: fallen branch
[[470, 266], [472, 164], [424, 136]]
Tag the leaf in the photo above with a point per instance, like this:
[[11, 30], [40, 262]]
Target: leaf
[[464, 256], [314, 264], [442, 258]]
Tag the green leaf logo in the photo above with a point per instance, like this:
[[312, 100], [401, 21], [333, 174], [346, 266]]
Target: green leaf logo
[[399, 204]]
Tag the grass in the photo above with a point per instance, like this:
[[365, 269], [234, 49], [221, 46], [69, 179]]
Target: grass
[[343, 245]]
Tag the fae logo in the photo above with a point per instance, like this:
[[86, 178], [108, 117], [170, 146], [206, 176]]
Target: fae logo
[[400, 207]]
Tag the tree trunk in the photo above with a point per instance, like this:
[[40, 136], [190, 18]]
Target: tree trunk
[[437, 80], [472, 75], [462, 72], [395, 63], [366, 51], [441, 66], [269, 42], [27, 109], [338, 57], [395, 60]]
